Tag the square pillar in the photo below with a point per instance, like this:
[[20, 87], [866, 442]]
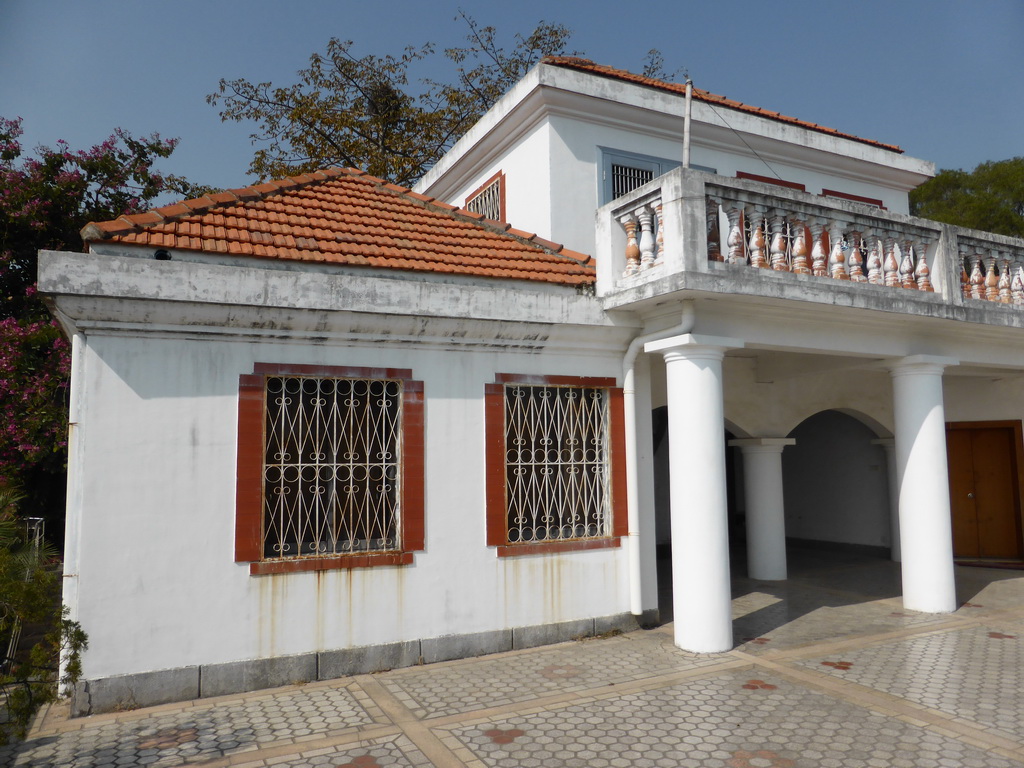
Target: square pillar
[[701, 594]]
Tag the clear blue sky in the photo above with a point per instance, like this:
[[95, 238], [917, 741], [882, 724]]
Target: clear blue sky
[[941, 78]]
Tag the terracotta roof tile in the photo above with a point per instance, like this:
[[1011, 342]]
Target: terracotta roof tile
[[345, 216], [586, 65]]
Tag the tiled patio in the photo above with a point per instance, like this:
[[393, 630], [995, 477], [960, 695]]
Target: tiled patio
[[829, 671]]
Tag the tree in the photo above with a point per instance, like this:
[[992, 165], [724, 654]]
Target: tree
[[45, 200], [362, 112], [29, 585], [990, 198]]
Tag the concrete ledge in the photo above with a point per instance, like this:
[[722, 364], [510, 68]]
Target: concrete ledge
[[252, 675], [367, 659], [465, 646], [546, 634], [125, 692], [147, 689]]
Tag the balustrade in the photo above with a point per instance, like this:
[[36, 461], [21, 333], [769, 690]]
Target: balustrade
[[837, 247], [990, 275], [644, 236], [810, 237]]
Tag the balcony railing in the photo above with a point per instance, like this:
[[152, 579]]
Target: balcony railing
[[694, 222]]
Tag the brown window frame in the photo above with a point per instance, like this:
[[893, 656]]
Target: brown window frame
[[495, 458], [853, 198], [770, 180], [249, 498], [499, 179]]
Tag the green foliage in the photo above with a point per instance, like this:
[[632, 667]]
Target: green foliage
[[29, 581], [364, 113], [990, 198]]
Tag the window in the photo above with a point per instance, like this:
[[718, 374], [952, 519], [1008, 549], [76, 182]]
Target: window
[[622, 172], [330, 468], [489, 198], [555, 464]]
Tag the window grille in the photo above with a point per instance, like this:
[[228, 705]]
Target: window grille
[[331, 471], [556, 463], [626, 178], [488, 201]]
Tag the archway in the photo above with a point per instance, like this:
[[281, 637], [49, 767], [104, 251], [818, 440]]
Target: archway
[[836, 483]]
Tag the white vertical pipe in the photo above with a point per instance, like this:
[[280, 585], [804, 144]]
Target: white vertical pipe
[[637, 599], [687, 115]]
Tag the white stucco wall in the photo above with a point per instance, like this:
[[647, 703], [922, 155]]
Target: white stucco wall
[[158, 587]]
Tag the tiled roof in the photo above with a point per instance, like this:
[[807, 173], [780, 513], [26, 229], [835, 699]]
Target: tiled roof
[[586, 65], [344, 216]]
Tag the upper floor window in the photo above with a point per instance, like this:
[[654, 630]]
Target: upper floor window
[[489, 198], [555, 451], [622, 172], [329, 468]]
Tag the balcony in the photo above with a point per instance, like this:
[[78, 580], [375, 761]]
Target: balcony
[[697, 234]]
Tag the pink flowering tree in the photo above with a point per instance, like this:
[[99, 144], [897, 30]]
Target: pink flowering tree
[[45, 200]]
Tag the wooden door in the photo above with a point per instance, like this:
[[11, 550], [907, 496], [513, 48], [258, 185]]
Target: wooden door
[[984, 488]]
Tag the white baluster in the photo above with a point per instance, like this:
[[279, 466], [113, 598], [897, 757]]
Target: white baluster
[[977, 280], [646, 218], [659, 218], [991, 281], [907, 279], [1017, 286], [1005, 294], [632, 248]]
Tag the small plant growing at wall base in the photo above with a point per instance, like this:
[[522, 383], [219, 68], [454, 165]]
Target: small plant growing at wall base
[[31, 673]]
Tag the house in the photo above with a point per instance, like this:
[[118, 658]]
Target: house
[[328, 425]]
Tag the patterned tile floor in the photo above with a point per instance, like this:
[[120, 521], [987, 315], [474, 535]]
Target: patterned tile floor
[[829, 671]]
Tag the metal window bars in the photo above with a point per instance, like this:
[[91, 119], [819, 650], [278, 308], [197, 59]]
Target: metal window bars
[[556, 463], [487, 202], [331, 466]]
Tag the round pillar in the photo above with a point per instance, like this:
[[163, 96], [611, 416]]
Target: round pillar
[[926, 538], [766, 519], [701, 594]]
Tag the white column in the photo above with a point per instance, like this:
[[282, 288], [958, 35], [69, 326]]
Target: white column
[[894, 496], [701, 596], [926, 538], [766, 519]]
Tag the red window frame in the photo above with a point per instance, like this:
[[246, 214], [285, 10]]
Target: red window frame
[[771, 180], [499, 177], [497, 510], [854, 198], [249, 475]]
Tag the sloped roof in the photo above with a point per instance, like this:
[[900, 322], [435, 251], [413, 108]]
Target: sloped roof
[[586, 65], [345, 216]]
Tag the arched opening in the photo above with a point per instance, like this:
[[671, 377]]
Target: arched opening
[[836, 484]]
